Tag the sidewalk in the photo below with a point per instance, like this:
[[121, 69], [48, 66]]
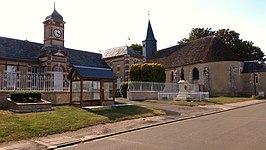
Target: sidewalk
[[173, 113]]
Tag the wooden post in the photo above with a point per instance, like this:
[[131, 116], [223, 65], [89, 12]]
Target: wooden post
[[101, 92], [81, 92], [114, 90], [70, 92]]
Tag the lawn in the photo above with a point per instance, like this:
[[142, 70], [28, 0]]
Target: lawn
[[15, 126], [211, 101]]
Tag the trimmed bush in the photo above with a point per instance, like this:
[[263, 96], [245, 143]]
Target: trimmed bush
[[148, 72], [123, 89], [135, 72], [25, 97]]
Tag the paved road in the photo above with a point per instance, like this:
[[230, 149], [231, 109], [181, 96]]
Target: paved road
[[240, 129]]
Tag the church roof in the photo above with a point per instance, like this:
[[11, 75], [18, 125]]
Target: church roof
[[120, 51], [55, 16], [150, 35], [254, 66], [30, 51], [208, 49]]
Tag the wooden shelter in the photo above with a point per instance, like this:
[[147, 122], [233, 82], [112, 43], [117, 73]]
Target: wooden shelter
[[90, 86]]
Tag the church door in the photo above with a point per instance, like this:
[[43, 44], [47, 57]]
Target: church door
[[58, 79]]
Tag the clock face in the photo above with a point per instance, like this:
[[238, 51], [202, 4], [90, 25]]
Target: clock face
[[57, 33]]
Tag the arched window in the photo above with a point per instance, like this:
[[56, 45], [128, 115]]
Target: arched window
[[195, 74], [58, 69]]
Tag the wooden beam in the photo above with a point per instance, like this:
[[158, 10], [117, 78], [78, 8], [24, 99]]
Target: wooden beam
[[114, 90], [101, 92], [81, 92], [70, 92]]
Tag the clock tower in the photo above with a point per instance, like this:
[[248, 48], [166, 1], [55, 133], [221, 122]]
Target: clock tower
[[54, 30]]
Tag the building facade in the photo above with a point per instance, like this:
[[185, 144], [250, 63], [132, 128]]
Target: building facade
[[120, 59], [26, 65], [211, 65]]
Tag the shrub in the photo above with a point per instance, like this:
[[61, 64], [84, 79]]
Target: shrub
[[29, 97], [148, 72], [123, 89]]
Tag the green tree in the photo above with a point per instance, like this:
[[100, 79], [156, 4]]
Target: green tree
[[137, 48], [244, 49], [197, 33]]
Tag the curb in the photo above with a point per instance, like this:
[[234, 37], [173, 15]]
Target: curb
[[92, 138]]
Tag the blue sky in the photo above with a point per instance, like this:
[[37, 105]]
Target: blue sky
[[103, 24]]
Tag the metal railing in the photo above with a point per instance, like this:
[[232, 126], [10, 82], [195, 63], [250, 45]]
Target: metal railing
[[39, 82], [169, 91]]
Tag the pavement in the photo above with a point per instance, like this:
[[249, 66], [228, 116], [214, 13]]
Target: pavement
[[174, 113]]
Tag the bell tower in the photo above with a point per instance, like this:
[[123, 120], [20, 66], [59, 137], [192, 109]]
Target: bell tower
[[54, 30]]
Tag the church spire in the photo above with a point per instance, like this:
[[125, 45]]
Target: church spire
[[149, 45], [150, 35]]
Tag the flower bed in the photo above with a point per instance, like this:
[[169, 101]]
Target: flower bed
[[27, 102], [43, 105]]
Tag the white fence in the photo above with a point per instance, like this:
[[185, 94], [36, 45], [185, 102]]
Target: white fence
[[167, 91], [40, 82]]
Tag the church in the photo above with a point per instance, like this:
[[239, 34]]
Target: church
[[49, 66], [210, 64]]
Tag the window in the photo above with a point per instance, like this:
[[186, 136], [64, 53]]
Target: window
[[11, 72], [172, 76], [35, 76], [195, 74], [118, 68], [256, 78]]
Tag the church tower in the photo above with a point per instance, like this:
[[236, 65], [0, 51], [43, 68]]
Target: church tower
[[149, 45], [54, 30]]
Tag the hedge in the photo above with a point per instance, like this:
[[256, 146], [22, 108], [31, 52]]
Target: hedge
[[148, 72], [23, 96]]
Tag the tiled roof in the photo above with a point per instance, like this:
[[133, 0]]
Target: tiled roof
[[254, 66], [208, 49], [30, 51], [120, 51], [93, 72]]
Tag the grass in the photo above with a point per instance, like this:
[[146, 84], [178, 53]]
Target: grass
[[15, 126], [211, 101]]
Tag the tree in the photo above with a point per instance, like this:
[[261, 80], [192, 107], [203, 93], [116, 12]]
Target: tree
[[197, 33], [137, 48], [244, 49], [148, 72]]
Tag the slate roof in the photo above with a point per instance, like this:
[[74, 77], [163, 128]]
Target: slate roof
[[120, 51], [30, 51], [208, 49], [55, 16], [93, 72], [150, 35], [254, 66]]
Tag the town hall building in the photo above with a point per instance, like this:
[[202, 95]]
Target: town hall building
[[49, 66]]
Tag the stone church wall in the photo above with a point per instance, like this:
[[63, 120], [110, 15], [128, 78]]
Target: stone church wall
[[219, 78], [248, 84]]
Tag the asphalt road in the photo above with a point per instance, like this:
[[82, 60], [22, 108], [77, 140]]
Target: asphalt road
[[240, 129]]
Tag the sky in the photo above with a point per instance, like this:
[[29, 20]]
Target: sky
[[99, 25]]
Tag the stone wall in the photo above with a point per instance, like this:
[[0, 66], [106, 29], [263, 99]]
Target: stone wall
[[248, 84], [142, 95], [57, 98], [219, 78]]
